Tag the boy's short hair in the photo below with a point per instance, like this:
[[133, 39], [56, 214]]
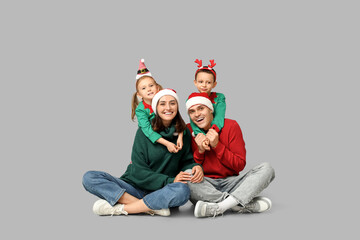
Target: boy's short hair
[[206, 71]]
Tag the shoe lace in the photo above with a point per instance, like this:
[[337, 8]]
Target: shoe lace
[[247, 208], [215, 211]]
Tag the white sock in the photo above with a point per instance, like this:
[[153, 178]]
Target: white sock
[[227, 203]]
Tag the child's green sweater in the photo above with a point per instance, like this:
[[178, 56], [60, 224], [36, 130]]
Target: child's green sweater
[[153, 166], [144, 114]]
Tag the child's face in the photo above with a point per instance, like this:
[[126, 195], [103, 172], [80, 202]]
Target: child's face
[[146, 89], [205, 82]]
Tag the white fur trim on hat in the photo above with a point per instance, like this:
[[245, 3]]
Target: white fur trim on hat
[[142, 67], [199, 100], [160, 94], [142, 75]]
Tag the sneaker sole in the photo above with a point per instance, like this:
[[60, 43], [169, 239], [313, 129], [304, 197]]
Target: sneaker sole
[[266, 200], [197, 209], [162, 212], [96, 207]]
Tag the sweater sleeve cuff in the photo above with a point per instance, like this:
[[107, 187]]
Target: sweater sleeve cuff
[[197, 154], [170, 180], [216, 128]]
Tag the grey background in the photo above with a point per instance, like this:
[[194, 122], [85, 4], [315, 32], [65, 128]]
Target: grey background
[[289, 70]]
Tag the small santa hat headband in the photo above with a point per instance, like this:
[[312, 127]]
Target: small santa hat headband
[[208, 67], [199, 98], [160, 94], [143, 71]]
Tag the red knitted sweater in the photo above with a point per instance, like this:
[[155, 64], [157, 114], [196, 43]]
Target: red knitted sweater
[[229, 156]]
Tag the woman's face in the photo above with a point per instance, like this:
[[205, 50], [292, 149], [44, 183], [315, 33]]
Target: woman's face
[[167, 109]]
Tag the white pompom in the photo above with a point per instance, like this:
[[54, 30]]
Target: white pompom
[[142, 60]]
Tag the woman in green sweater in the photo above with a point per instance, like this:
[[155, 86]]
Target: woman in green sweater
[[155, 179]]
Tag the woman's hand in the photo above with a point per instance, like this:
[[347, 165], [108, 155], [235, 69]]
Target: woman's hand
[[182, 177], [198, 174]]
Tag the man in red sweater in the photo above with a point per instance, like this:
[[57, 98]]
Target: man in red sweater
[[223, 156]]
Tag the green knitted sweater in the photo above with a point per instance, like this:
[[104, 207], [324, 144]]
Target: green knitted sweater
[[152, 165]]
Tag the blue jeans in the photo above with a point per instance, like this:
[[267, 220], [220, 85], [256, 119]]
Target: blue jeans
[[111, 189]]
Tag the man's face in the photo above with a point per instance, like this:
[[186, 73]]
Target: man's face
[[201, 115]]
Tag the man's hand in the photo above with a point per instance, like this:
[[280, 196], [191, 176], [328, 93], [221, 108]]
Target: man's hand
[[213, 137], [206, 144], [197, 173], [199, 140]]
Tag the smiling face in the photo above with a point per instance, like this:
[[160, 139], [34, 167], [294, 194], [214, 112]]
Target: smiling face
[[167, 108], [146, 89], [205, 82], [201, 115]]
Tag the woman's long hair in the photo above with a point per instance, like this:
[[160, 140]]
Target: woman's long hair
[[158, 125]]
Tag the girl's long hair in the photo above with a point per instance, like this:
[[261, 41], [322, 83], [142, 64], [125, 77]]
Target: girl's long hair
[[135, 100]]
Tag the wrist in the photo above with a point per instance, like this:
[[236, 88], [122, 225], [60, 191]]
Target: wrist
[[168, 144], [201, 151], [214, 145]]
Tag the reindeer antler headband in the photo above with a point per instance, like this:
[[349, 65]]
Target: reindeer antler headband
[[208, 67]]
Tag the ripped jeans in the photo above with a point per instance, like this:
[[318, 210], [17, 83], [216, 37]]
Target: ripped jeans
[[243, 187]]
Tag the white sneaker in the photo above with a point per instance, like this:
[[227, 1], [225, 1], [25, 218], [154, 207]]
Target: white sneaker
[[103, 208], [162, 212], [257, 205], [206, 209]]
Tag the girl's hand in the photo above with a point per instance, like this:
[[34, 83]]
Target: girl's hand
[[198, 174], [172, 147], [179, 142], [182, 177]]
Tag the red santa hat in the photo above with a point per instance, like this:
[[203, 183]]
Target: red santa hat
[[143, 71], [199, 98], [160, 94], [208, 67]]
